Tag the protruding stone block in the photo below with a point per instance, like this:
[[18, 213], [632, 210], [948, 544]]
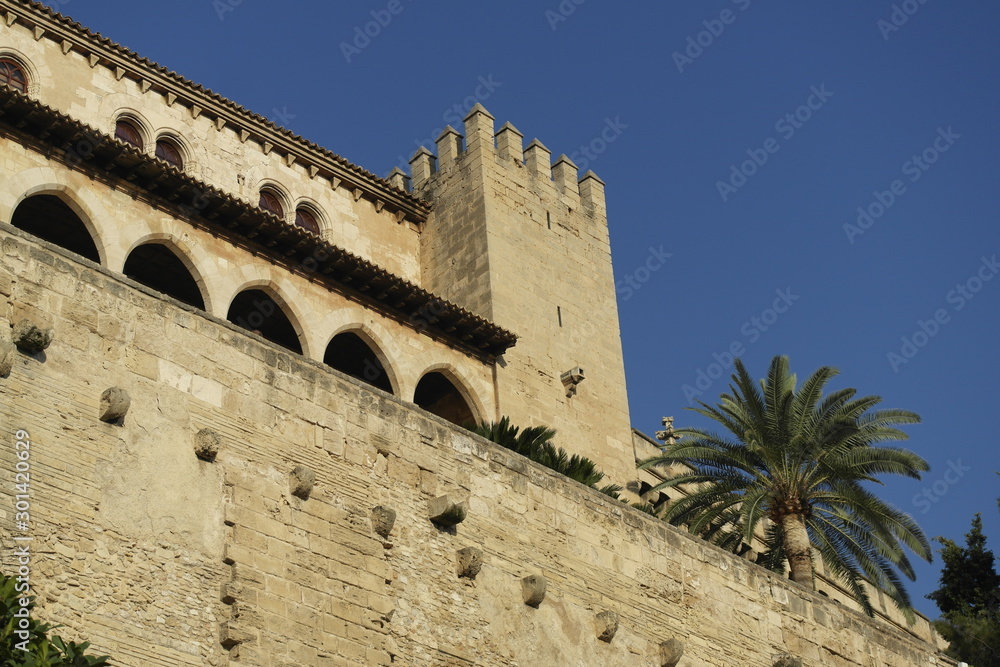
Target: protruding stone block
[[478, 129], [383, 519], [30, 338], [115, 403], [787, 660], [564, 173], [206, 444], [592, 194], [607, 625], [533, 590], [301, 482], [8, 352], [671, 652], [470, 561], [444, 512]]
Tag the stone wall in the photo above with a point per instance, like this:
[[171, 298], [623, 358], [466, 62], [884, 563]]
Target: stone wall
[[162, 558]]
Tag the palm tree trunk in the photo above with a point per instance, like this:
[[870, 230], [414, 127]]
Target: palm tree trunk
[[798, 550]]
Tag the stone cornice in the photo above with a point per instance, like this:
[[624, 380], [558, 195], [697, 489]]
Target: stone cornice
[[151, 77]]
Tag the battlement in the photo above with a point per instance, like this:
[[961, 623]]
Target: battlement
[[506, 146]]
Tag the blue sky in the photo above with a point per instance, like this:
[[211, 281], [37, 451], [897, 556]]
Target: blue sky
[[747, 136]]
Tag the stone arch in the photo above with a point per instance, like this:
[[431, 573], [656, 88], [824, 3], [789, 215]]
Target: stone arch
[[279, 191], [443, 392], [361, 355], [135, 118], [31, 72], [198, 261], [317, 212], [268, 320], [170, 270]]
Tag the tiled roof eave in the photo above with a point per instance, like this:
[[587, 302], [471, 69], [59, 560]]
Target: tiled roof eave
[[244, 224], [113, 55]]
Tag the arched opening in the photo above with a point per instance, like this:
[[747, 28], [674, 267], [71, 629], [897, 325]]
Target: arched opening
[[12, 75], [49, 218], [436, 394], [307, 220], [127, 131], [256, 311], [270, 202], [349, 354], [155, 265], [168, 151]]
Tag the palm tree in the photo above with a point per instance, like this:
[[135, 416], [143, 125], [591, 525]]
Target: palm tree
[[535, 443], [793, 468]]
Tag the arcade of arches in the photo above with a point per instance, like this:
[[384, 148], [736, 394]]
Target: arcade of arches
[[157, 266]]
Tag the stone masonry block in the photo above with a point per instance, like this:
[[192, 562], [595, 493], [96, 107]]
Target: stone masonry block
[[607, 625], [671, 652], [383, 520], [30, 338], [8, 352], [206, 444], [302, 480], [115, 403], [444, 512], [533, 590], [786, 660], [470, 561]]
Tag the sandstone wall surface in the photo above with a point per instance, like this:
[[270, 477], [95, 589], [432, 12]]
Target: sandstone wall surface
[[161, 558]]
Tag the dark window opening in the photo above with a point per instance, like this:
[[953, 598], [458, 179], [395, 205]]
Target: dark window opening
[[559, 314], [270, 203], [306, 220], [50, 219], [12, 76], [548, 219], [256, 311], [436, 394], [168, 152], [349, 354], [129, 133], [156, 266]]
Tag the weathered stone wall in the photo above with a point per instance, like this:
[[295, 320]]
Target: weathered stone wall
[[162, 558], [229, 150]]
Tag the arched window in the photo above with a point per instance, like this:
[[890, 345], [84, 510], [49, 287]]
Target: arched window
[[269, 202], [438, 395], [168, 151], [127, 131], [12, 75], [305, 219], [49, 218], [349, 354], [155, 265], [255, 310]]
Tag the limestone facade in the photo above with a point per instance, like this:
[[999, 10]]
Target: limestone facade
[[202, 495]]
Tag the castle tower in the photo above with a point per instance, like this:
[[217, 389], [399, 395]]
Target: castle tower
[[523, 242]]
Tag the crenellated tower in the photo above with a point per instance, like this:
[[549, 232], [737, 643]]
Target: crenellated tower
[[523, 241]]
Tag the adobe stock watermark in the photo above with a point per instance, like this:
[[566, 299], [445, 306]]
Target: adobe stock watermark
[[898, 17], [222, 7], [586, 154], [939, 489], [697, 43], [365, 33], [959, 298], [454, 114], [786, 127], [915, 167], [751, 331], [633, 282], [561, 14], [282, 116]]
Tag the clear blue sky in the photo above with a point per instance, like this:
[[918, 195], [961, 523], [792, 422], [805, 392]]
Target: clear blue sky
[[880, 95]]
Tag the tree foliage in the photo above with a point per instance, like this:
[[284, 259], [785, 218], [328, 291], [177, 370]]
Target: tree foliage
[[535, 443], [794, 467], [969, 599], [35, 648]]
